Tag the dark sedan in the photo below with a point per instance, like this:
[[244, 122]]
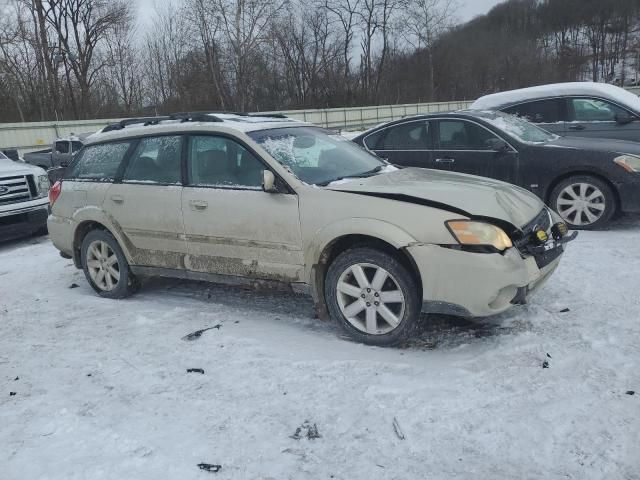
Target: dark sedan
[[585, 180]]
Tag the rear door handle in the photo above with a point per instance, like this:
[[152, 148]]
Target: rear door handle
[[117, 198], [445, 160], [576, 127], [198, 204]]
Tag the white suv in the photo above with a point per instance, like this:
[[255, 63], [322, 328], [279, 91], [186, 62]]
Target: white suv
[[238, 198], [24, 205]]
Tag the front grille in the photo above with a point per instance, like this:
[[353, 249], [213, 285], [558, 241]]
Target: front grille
[[14, 189], [527, 244]]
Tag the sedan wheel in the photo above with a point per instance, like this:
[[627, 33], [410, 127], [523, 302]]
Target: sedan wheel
[[103, 267], [374, 307], [584, 202], [373, 296], [581, 204]]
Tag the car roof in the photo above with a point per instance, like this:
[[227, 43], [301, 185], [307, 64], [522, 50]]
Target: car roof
[[464, 114], [180, 123], [601, 90]]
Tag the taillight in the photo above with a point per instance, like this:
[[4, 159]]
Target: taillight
[[54, 192]]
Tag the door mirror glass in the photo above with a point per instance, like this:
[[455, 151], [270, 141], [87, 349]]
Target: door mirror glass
[[497, 144], [269, 182]]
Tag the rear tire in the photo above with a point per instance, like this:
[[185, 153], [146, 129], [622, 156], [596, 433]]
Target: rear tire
[[584, 202], [105, 266], [373, 297]]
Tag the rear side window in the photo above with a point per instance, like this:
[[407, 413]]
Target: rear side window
[[540, 111], [99, 162], [156, 160], [62, 147]]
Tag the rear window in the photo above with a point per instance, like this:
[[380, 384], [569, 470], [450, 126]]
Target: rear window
[[99, 162]]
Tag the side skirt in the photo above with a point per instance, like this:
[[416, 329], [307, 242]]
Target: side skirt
[[261, 284]]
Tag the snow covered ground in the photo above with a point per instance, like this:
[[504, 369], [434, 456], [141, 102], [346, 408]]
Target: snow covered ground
[[102, 392]]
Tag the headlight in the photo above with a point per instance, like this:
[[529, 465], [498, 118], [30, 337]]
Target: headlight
[[468, 232], [630, 163], [43, 185]]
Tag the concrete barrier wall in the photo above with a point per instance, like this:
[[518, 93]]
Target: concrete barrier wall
[[35, 135]]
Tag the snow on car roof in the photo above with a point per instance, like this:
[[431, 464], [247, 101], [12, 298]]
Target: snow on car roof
[[232, 121], [602, 90]]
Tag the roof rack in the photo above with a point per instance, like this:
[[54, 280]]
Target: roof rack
[[146, 121], [240, 114], [203, 116]]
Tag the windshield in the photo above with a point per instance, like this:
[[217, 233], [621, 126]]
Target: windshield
[[519, 128], [3, 156], [317, 156]]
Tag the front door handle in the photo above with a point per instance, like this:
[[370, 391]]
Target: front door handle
[[445, 160], [198, 204], [117, 198], [577, 127]]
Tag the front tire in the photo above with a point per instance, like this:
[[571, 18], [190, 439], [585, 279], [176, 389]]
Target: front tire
[[373, 297], [584, 202], [105, 266]]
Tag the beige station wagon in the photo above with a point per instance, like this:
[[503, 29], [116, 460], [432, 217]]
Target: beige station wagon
[[240, 198]]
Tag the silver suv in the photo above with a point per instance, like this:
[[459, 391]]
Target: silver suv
[[238, 198]]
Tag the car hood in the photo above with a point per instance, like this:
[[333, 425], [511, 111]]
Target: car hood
[[9, 167], [461, 194], [596, 144]]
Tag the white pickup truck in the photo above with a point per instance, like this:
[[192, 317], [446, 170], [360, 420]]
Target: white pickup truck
[[24, 202]]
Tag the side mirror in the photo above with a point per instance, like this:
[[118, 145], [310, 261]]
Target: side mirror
[[497, 145], [624, 118], [269, 182]]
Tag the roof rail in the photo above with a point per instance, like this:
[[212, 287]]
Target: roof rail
[[240, 114], [131, 121], [184, 117]]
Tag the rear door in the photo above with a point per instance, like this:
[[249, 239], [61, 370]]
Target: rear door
[[593, 117], [232, 226], [549, 114], [407, 144], [146, 204], [465, 146]]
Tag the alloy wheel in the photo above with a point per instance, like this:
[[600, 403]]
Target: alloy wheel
[[370, 299], [103, 266], [581, 204]]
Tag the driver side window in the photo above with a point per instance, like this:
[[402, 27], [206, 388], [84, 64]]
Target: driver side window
[[221, 162], [463, 135], [595, 110]]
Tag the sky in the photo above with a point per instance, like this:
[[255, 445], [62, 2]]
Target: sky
[[473, 8], [468, 8]]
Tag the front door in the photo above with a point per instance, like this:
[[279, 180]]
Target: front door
[[146, 205], [232, 226], [465, 147], [595, 118]]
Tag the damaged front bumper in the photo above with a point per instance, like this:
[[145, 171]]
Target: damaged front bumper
[[463, 283]]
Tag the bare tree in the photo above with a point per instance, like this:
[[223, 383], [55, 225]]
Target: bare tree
[[425, 21]]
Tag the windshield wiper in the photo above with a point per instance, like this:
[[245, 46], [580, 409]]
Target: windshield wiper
[[368, 173]]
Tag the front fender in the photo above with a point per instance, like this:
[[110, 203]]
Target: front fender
[[379, 229]]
